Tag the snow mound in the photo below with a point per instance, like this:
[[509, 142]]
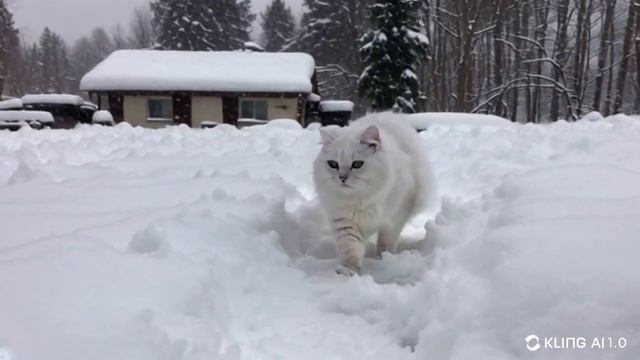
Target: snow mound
[[103, 117], [152, 239], [177, 243], [284, 124], [423, 121]]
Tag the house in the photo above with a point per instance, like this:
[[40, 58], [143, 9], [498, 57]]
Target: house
[[154, 88]]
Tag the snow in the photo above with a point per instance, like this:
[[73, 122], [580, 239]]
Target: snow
[[20, 115], [62, 99], [102, 117], [313, 97], [336, 105], [252, 46], [209, 123], [10, 104], [179, 243], [423, 121], [201, 71]]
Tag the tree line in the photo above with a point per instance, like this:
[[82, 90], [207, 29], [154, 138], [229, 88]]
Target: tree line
[[531, 60]]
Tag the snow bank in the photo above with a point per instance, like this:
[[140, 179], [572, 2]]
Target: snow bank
[[60, 99], [202, 71], [19, 115], [103, 117], [336, 105], [423, 121], [180, 243], [11, 104]]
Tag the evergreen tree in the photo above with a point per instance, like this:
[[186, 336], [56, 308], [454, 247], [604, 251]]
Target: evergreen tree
[[55, 62], [201, 24], [278, 25], [237, 17], [33, 72], [9, 45], [330, 31], [390, 52]]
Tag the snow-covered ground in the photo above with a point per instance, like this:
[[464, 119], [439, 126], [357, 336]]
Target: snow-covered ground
[[126, 243]]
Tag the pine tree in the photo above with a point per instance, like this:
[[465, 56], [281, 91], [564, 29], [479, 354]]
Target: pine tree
[[330, 31], [200, 25], [183, 25], [9, 45], [278, 25], [390, 52], [237, 17], [55, 62], [33, 72]]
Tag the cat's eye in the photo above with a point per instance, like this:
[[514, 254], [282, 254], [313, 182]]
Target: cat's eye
[[357, 164], [333, 164]]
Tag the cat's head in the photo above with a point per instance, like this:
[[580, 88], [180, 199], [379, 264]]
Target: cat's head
[[351, 161]]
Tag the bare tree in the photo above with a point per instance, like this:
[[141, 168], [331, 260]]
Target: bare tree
[[605, 44], [141, 28], [626, 55]]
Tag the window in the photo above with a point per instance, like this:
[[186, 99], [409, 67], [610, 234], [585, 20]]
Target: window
[[160, 109], [253, 109]]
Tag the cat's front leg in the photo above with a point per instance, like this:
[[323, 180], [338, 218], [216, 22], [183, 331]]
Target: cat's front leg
[[351, 247]]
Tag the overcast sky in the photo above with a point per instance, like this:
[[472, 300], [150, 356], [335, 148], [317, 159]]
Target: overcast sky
[[74, 18]]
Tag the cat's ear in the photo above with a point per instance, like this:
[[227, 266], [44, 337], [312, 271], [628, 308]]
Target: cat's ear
[[328, 134], [371, 138]]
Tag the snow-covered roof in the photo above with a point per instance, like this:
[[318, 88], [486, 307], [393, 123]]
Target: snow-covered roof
[[17, 116], [161, 70], [336, 105], [62, 99], [11, 104]]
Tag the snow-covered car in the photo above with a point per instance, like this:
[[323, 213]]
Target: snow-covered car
[[14, 119]]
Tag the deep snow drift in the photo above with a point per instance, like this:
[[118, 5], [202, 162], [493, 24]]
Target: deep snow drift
[[125, 243]]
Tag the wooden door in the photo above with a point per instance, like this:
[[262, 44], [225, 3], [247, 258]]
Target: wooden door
[[182, 108], [230, 110], [116, 107]]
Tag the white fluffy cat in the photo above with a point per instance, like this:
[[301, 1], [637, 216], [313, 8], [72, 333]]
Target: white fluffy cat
[[371, 177]]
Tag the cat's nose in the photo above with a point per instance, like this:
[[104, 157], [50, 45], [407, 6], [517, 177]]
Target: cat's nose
[[343, 177]]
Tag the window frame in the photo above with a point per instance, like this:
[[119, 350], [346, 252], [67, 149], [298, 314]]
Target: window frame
[[170, 110], [252, 103]]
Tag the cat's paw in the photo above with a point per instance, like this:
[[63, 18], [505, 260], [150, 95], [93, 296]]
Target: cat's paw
[[346, 271]]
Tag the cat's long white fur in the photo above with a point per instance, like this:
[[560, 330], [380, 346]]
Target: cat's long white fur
[[394, 183]]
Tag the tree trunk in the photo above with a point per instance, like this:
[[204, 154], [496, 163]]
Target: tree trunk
[[542, 16], [581, 52], [517, 30], [602, 52], [624, 62], [498, 53], [465, 71], [612, 55], [560, 54], [637, 104]]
